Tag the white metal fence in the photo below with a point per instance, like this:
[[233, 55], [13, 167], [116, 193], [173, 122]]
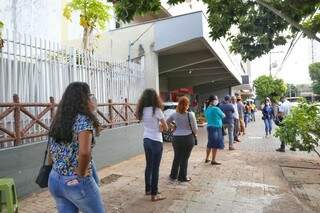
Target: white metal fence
[[36, 69]]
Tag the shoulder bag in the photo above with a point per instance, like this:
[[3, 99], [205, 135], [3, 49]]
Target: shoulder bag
[[43, 176], [195, 137]]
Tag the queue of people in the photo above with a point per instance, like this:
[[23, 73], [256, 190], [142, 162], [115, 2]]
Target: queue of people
[[73, 180]]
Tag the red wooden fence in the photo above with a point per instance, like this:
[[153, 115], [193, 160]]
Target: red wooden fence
[[22, 121]]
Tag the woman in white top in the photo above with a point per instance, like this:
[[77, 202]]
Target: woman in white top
[[150, 113]]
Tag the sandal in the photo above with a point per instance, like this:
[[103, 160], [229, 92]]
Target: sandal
[[155, 198], [207, 161], [149, 193]]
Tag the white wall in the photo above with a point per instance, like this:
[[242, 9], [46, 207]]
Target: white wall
[[41, 18], [115, 45]]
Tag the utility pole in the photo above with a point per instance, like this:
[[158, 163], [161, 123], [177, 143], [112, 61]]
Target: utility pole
[[312, 52], [270, 62], [270, 74], [14, 15]]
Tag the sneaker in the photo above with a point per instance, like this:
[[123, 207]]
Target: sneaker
[[187, 179], [293, 149], [172, 179], [231, 148], [215, 163], [280, 150]]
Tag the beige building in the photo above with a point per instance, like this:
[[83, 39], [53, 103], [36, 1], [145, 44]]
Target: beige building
[[173, 45]]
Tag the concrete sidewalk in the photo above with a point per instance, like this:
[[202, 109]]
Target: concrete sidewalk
[[250, 179]]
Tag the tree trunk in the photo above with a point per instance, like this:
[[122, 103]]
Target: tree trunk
[[289, 20], [85, 38]]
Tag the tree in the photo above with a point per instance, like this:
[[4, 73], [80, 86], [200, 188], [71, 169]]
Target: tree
[[1, 40], [93, 14], [314, 72], [262, 24], [268, 86], [301, 128]]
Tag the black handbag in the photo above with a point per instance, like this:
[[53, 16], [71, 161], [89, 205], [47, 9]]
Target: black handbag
[[43, 176], [195, 137], [278, 120]]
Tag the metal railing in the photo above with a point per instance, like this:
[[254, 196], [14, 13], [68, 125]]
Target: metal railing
[[36, 69], [23, 123]]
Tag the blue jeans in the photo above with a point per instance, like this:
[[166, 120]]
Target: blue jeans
[[95, 173], [253, 114], [153, 151], [268, 126], [230, 128], [73, 194], [247, 119]]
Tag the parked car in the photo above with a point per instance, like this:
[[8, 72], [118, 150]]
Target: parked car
[[169, 109]]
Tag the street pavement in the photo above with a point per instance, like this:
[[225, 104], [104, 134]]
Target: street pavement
[[253, 178]]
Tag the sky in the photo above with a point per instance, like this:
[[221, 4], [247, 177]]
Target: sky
[[294, 70]]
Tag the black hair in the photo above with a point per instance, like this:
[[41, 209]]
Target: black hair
[[74, 101], [149, 98]]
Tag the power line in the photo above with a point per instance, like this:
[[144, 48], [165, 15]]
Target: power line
[[289, 51]]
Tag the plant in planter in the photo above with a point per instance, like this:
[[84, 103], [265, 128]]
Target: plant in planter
[[301, 128], [1, 40]]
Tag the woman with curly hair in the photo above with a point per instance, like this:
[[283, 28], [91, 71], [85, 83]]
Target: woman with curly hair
[[71, 142], [150, 113]]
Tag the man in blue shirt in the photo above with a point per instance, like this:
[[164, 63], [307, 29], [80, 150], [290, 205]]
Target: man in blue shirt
[[228, 121]]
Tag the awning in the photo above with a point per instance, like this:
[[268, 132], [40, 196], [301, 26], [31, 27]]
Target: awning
[[189, 58]]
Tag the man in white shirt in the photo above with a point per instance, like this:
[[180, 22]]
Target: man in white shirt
[[284, 110], [236, 118]]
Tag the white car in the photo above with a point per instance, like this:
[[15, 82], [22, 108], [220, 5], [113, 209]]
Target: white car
[[169, 109]]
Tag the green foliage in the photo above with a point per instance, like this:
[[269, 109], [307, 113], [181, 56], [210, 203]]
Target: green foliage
[[314, 71], [292, 90], [93, 13], [125, 10], [313, 24], [301, 128], [1, 40], [259, 29], [267, 86]]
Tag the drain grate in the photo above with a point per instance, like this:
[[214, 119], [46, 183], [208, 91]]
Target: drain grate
[[110, 179]]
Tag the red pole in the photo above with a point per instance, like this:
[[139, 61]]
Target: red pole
[[126, 111], [17, 119], [110, 112]]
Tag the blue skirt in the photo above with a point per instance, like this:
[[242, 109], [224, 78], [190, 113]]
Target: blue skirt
[[215, 138]]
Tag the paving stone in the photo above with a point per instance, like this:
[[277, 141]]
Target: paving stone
[[250, 179]]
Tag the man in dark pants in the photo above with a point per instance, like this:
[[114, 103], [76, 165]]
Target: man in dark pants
[[236, 119], [228, 121], [284, 110]]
